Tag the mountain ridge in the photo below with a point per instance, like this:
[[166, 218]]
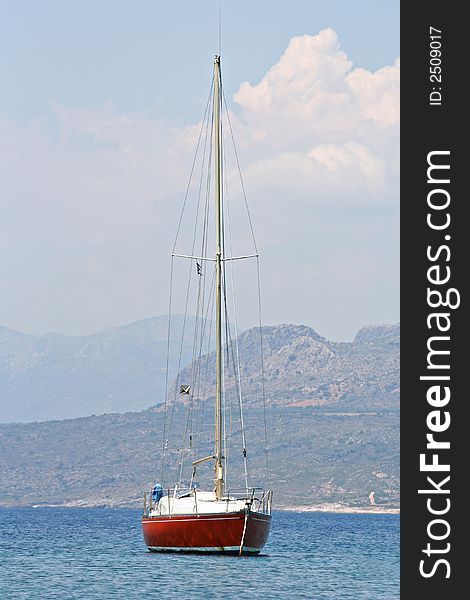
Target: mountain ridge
[[121, 369], [303, 368]]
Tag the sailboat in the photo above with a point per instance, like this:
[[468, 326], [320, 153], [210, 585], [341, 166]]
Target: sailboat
[[221, 520]]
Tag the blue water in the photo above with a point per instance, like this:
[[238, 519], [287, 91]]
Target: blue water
[[99, 553]]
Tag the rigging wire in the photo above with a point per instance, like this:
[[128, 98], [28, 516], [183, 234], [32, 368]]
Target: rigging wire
[[240, 173], [168, 429], [262, 370], [204, 241], [224, 295], [205, 386], [202, 388], [192, 167], [204, 252], [204, 245], [198, 324], [258, 284], [164, 441], [236, 363]]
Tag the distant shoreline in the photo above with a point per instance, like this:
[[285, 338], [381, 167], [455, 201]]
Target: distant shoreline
[[317, 508], [341, 508]]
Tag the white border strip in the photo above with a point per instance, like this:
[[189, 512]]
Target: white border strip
[[203, 549], [194, 519]]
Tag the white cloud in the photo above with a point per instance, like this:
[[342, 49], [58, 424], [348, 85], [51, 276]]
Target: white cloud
[[313, 105], [90, 198], [377, 94]]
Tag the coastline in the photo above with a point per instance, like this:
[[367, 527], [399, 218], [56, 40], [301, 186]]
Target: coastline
[[336, 507], [333, 507]]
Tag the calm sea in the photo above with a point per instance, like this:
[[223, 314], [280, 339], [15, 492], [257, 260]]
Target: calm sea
[[99, 553]]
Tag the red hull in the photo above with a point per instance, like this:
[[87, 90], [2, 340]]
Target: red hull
[[207, 533]]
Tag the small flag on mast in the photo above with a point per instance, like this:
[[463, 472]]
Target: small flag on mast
[[199, 268], [185, 389]]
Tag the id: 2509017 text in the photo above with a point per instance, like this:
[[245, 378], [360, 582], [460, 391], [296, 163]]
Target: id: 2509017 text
[[435, 66]]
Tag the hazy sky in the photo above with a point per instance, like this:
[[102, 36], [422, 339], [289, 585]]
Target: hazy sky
[[100, 105]]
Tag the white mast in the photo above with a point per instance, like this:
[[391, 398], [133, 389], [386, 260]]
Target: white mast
[[219, 472]]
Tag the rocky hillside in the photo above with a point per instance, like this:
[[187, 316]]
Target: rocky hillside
[[316, 456], [304, 369]]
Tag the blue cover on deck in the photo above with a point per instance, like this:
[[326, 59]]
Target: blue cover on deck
[[157, 492]]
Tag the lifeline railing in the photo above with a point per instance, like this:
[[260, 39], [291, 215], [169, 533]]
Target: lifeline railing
[[258, 499], [149, 505]]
